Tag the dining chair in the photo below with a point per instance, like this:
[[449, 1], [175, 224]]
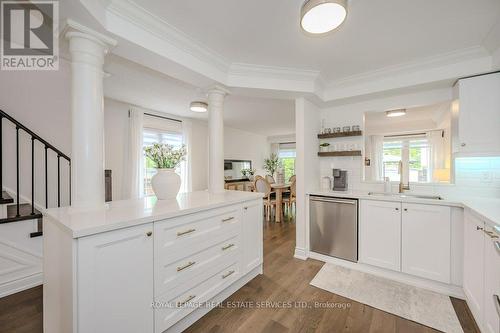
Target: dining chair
[[292, 179], [270, 179], [262, 185], [291, 199]]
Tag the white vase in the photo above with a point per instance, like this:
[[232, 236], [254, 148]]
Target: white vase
[[166, 184]]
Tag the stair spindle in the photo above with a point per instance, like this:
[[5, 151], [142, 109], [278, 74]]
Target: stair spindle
[[58, 181], [46, 181], [32, 176], [17, 172]]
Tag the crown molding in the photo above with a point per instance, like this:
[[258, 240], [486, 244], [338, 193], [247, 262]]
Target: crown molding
[[128, 20]]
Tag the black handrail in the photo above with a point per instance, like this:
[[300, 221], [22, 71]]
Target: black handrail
[[34, 135], [47, 146]]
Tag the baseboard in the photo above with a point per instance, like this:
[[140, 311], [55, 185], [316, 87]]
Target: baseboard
[[438, 287], [300, 253], [21, 284], [197, 314]]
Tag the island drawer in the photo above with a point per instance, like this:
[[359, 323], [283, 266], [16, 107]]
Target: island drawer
[[174, 305], [186, 272], [178, 238]]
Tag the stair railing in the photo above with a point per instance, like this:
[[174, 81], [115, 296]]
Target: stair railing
[[48, 146]]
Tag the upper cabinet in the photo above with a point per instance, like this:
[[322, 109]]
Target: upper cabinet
[[476, 115]]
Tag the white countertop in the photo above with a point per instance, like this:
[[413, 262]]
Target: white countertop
[[127, 213], [487, 208]]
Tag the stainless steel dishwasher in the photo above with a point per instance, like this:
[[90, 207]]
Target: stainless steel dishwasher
[[333, 227]]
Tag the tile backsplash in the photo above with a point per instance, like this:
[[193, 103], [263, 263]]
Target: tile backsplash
[[474, 176]]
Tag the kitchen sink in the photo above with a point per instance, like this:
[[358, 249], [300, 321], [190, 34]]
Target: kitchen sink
[[403, 195]]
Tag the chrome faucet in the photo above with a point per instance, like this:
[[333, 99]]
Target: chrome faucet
[[402, 187]]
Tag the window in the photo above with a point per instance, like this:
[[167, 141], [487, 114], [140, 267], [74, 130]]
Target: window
[[415, 154], [287, 155], [163, 132]]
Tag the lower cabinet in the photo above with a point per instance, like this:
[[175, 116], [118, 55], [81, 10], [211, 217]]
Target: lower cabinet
[[426, 241], [474, 264], [115, 281], [380, 234], [410, 238], [482, 272], [252, 235]]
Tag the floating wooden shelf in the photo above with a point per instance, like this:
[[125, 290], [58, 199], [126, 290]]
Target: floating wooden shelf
[[340, 153], [339, 135]]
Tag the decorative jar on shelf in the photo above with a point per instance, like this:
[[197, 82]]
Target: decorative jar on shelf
[[166, 184]]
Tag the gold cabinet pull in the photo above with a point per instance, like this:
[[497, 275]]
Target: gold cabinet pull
[[190, 298], [228, 274], [189, 264], [228, 219], [182, 233], [224, 248]]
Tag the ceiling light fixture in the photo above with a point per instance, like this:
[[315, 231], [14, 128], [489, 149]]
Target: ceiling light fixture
[[395, 113], [198, 106], [322, 16]]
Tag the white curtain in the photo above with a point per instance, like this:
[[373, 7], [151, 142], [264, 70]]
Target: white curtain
[[134, 175], [377, 157], [438, 154], [275, 148], [186, 172]]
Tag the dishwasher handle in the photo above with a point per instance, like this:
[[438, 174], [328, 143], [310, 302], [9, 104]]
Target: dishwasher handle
[[334, 200]]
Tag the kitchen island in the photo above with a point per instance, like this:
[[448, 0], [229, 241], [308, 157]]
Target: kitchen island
[[147, 265]]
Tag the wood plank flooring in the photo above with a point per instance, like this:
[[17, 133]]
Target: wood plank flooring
[[285, 279]]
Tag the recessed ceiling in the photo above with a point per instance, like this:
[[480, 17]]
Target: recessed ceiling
[[376, 34], [138, 85]]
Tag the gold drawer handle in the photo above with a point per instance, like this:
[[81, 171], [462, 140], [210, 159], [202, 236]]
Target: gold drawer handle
[[228, 219], [228, 274], [190, 298], [189, 264], [182, 233], [224, 248]]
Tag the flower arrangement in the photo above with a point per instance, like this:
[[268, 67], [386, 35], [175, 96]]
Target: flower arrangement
[[165, 156], [248, 172], [271, 164]]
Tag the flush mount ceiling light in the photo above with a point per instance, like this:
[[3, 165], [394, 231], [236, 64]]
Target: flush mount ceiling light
[[321, 16], [198, 106], [395, 113]]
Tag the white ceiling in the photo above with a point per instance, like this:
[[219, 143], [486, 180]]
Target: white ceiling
[[376, 34], [141, 86]]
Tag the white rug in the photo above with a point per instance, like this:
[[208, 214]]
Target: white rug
[[416, 304]]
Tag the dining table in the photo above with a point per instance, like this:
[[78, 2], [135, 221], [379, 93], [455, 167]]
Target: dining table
[[279, 189]]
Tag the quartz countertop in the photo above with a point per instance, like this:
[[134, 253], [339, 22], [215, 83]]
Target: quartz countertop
[[126, 213], [487, 208]]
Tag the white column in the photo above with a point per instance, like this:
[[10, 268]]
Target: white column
[[216, 97], [87, 49]]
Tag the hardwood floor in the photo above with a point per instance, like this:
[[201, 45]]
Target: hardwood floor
[[285, 280]]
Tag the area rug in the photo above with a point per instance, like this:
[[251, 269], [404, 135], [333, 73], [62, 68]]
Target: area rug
[[416, 304]]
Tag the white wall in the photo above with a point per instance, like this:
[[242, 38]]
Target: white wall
[[238, 144], [40, 100], [307, 118], [353, 114]]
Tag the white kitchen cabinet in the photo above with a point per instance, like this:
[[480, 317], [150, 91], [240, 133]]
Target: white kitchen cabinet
[[474, 265], [476, 114], [491, 281], [115, 281], [426, 239], [252, 235], [380, 234]]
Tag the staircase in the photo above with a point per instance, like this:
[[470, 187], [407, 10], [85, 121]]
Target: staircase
[[12, 209]]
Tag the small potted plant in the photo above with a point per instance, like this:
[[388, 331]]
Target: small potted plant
[[324, 147], [166, 183], [271, 164]]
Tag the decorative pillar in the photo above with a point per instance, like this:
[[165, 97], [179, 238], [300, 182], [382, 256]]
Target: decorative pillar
[[87, 49], [216, 97]]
